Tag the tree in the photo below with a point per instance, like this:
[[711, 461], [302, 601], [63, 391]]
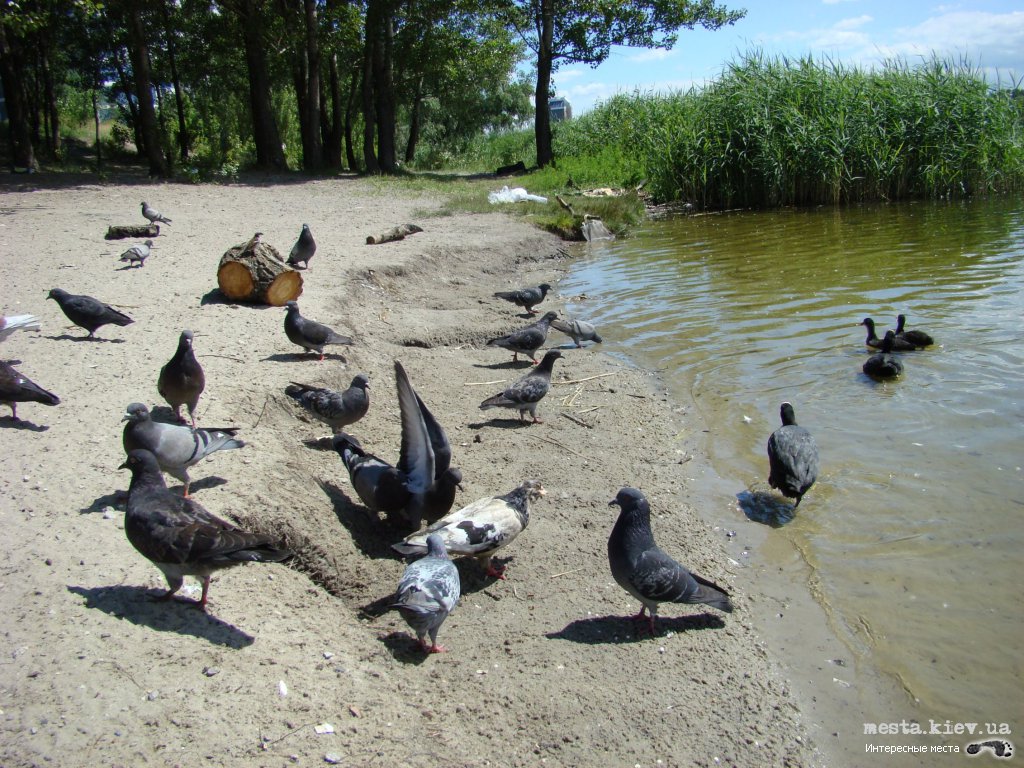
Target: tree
[[584, 31], [138, 53]]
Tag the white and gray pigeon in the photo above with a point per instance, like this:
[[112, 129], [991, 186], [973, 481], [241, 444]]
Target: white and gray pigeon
[[180, 537], [428, 592], [333, 408], [309, 334], [153, 214], [175, 446], [525, 297], [303, 249], [482, 528], [578, 330], [645, 571], [792, 457], [137, 254], [527, 340], [10, 323], [526, 393]]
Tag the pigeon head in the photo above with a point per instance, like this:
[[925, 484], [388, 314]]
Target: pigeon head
[[549, 316], [291, 306], [532, 489], [627, 499], [361, 381], [149, 243], [305, 227], [344, 441], [435, 546], [185, 340], [136, 412], [145, 204], [141, 461], [452, 477], [544, 288], [58, 294], [788, 416]]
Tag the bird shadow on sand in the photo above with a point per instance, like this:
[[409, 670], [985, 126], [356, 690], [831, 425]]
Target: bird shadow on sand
[[204, 483], [371, 535], [508, 364], [106, 500], [765, 508], [298, 357], [405, 648], [319, 443], [611, 630], [501, 424], [9, 422], [127, 268], [139, 606], [69, 337]]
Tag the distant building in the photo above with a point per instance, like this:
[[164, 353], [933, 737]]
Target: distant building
[[559, 109]]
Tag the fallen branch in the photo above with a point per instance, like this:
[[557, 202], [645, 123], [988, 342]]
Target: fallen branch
[[564, 573], [555, 442], [267, 400], [484, 383], [226, 357], [589, 378], [115, 232], [565, 205], [395, 233], [581, 422]]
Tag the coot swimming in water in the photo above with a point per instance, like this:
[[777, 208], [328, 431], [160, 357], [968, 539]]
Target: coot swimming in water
[[883, 365], [917, 338]]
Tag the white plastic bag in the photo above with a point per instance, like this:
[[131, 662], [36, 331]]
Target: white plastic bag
[[517, 195]]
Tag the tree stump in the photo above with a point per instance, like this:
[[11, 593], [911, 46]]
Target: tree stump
[[116, 232], [253, 271]]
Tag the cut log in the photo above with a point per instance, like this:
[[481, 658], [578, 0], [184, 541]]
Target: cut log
[[115, 232], [396, 233], [253, 271]]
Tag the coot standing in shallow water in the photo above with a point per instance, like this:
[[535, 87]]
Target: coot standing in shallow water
[[883, 365], [915, 337], [792, 457]]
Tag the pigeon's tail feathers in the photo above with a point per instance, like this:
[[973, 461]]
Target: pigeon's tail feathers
[[711, 594], [219, 441], [119, 318], [410, 548], [261, 553], [13, 322], [296, 390], [496, 401]]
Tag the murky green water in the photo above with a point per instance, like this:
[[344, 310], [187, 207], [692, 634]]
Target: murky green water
[[915, 530]]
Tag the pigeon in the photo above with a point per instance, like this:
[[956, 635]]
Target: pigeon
[[380, 486], [153, 215], [16, 388], [137, 253], [917, 338], [303, 249], [525, 394], [86, 312], [10, 323], [792, 457], [578, 330], [883, 365], [645, 571], [873, 341], [176, 447], [335, 409], [481, 528], [180, 537], [526, 341], [526, 297], [309, 334], [182, 380], [427, 593]]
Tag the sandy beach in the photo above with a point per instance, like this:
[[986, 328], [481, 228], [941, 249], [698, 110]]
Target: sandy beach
[[296, 664]]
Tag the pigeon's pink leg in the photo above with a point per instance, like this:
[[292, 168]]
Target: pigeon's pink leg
[[206, 588], [492, 571], [434, 648]]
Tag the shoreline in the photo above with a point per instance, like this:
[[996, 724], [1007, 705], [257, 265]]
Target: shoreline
[[123, 679]]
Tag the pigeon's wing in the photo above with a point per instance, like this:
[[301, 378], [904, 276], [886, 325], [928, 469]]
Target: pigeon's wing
[[529, 389], [429, 585], [20, 389], [438, 440], [659, 578], [416, 460], [480, 527], [11, 323]]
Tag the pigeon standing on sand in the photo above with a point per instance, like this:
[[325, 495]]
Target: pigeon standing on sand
[[137, 253], [526, 341], [526, 297], [578, 330], [10, 323], [792, 457], [303, 249], [883, 365], [16, 388], [482, 528], [309, 334], [182, 380], [176, 447], [427, 593], [525, 394], [153, 215], [86, 312], [179, 536], [335, 409], [645, 571]]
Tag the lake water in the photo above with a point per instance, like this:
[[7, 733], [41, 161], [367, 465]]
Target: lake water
[[913, 537]]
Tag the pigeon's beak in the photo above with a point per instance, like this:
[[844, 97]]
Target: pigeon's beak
[[124, 465], [126, 417], [613, 503]]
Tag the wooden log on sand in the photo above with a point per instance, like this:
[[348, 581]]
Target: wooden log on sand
[[396, 233], [254, 271], [115, 232]]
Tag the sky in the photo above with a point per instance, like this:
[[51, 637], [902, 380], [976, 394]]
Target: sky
[[989, 35]]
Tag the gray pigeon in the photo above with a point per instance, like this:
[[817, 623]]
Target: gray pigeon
[[380, 486], [309, 334], [182, 380], [526, 341], [898, 344], [303, 249], [335, 409], [10, 323], [525, 394], [883, 365], [176, 447], [86, 312], [526, 297], [428, 592], [16, 388], [792, 457], [180, 537], [153, 215], [648, 573], [137, 254], [578, 330], [917, 338]]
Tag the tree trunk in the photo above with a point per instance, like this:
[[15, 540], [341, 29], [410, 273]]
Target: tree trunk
[[266, 137], [138, 52], [369, 113], [333, 137], [96, 123], [414, 121], [545, 59], [179, 100], [312, 146], [12, 74], [165, 146], [350, 106], [133, 111], [384, 91]]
